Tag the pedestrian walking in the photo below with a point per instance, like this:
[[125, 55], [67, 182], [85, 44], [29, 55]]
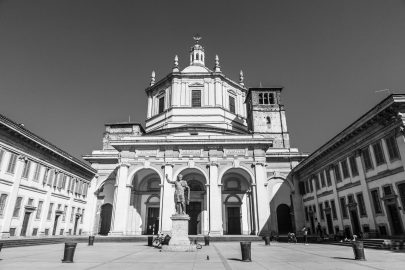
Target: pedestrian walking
[[305, 233]]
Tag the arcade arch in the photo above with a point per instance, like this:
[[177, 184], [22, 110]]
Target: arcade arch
[[238, 207]]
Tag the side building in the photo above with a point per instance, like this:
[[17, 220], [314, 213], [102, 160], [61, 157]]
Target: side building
[[355, 183], [43, 189]]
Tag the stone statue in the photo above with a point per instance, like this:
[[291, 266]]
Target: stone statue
[[181, 200]]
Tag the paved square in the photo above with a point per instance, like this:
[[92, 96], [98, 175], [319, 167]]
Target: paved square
[[227, 256]]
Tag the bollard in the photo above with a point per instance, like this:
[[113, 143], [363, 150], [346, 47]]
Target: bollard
[[1, 246], [207, 240], [358, 250], [91, 240], [267, 240], [70, 248], [150, 240], [245, 248]]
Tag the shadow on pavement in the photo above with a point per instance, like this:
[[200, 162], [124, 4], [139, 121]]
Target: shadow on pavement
[[234, 259], [342, 258]]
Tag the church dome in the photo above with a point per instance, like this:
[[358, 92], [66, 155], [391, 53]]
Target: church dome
[[196, 69]]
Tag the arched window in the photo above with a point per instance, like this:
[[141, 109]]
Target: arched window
[[268, 120], [196, 56]]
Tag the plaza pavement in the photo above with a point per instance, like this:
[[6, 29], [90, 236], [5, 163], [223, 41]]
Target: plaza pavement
[[225, 255]]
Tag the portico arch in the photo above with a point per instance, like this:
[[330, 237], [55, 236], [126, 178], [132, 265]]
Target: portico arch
[[144, 213], [197, 208], [238, 206]]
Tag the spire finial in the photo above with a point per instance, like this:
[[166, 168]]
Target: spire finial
[[217, 67], [152, 78], [176, 64], [241, 78], [197, 38]]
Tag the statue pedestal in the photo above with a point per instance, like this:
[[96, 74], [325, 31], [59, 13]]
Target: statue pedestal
[[179, 240]]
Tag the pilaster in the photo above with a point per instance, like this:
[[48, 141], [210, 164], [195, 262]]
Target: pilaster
[[121, 201], [215, 201], [168, 206]]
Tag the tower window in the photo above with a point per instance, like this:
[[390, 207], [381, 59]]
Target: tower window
[[232, 104], [196, 56], [195, 98], [161, 104], [268, 120], [266, 98]]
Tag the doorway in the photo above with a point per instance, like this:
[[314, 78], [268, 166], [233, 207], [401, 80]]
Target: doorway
[[355, 222], [105, 219], [234, 220], [25, 223], [55, 224], [152, 220], [284, 219], [193, 209], [394, 219], [329, 223]]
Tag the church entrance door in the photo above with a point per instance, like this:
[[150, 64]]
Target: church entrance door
[[194, 211], [284, 219], [153, 220], [105, 216], [233, 220]]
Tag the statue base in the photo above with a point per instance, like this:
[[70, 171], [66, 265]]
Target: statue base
[[179, 240]]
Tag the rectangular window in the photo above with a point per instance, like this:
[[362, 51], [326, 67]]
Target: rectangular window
[[376, 201], [353, 166], [3, 199], [72, 214], [387, 190], [333, 206], [81, 218], [49, 216], [321, 211], [11, 163], [401, 191], [64, 213], [337, 172], [306, 187], [46, 231], [45, 179], [378, 153], [51, 177], [196, 98], [343, 206], [26, 169], [368, 164], [345, 169], [12, 231], [328, 179], [392, 148], [17, 207], [231, 104], [261, 100], [362, 206], [36, 173], [161, 104], [350, 198], [1, 156], [61, 231], [39, 210], [35, 232], [322, 179], [310, 185], [64, 181]]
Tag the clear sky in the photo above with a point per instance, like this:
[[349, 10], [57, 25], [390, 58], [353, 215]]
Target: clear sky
[[69, 67]]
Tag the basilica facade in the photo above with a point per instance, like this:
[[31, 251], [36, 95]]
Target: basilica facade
[[230, 143]]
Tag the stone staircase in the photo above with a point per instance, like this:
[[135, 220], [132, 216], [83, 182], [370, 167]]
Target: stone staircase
[[27, 241], [393, 244]]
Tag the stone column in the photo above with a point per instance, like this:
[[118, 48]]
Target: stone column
[[206, 228], [8, 213], [168, 205], [215, 201], [261, 201], [91, 208], [121, 201]]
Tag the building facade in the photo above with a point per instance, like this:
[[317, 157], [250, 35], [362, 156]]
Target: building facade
[[355, 183], [43, 189], [230, 143]]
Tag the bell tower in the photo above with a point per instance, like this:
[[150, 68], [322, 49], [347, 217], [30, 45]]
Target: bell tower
[[197, 55], [266, 115]]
